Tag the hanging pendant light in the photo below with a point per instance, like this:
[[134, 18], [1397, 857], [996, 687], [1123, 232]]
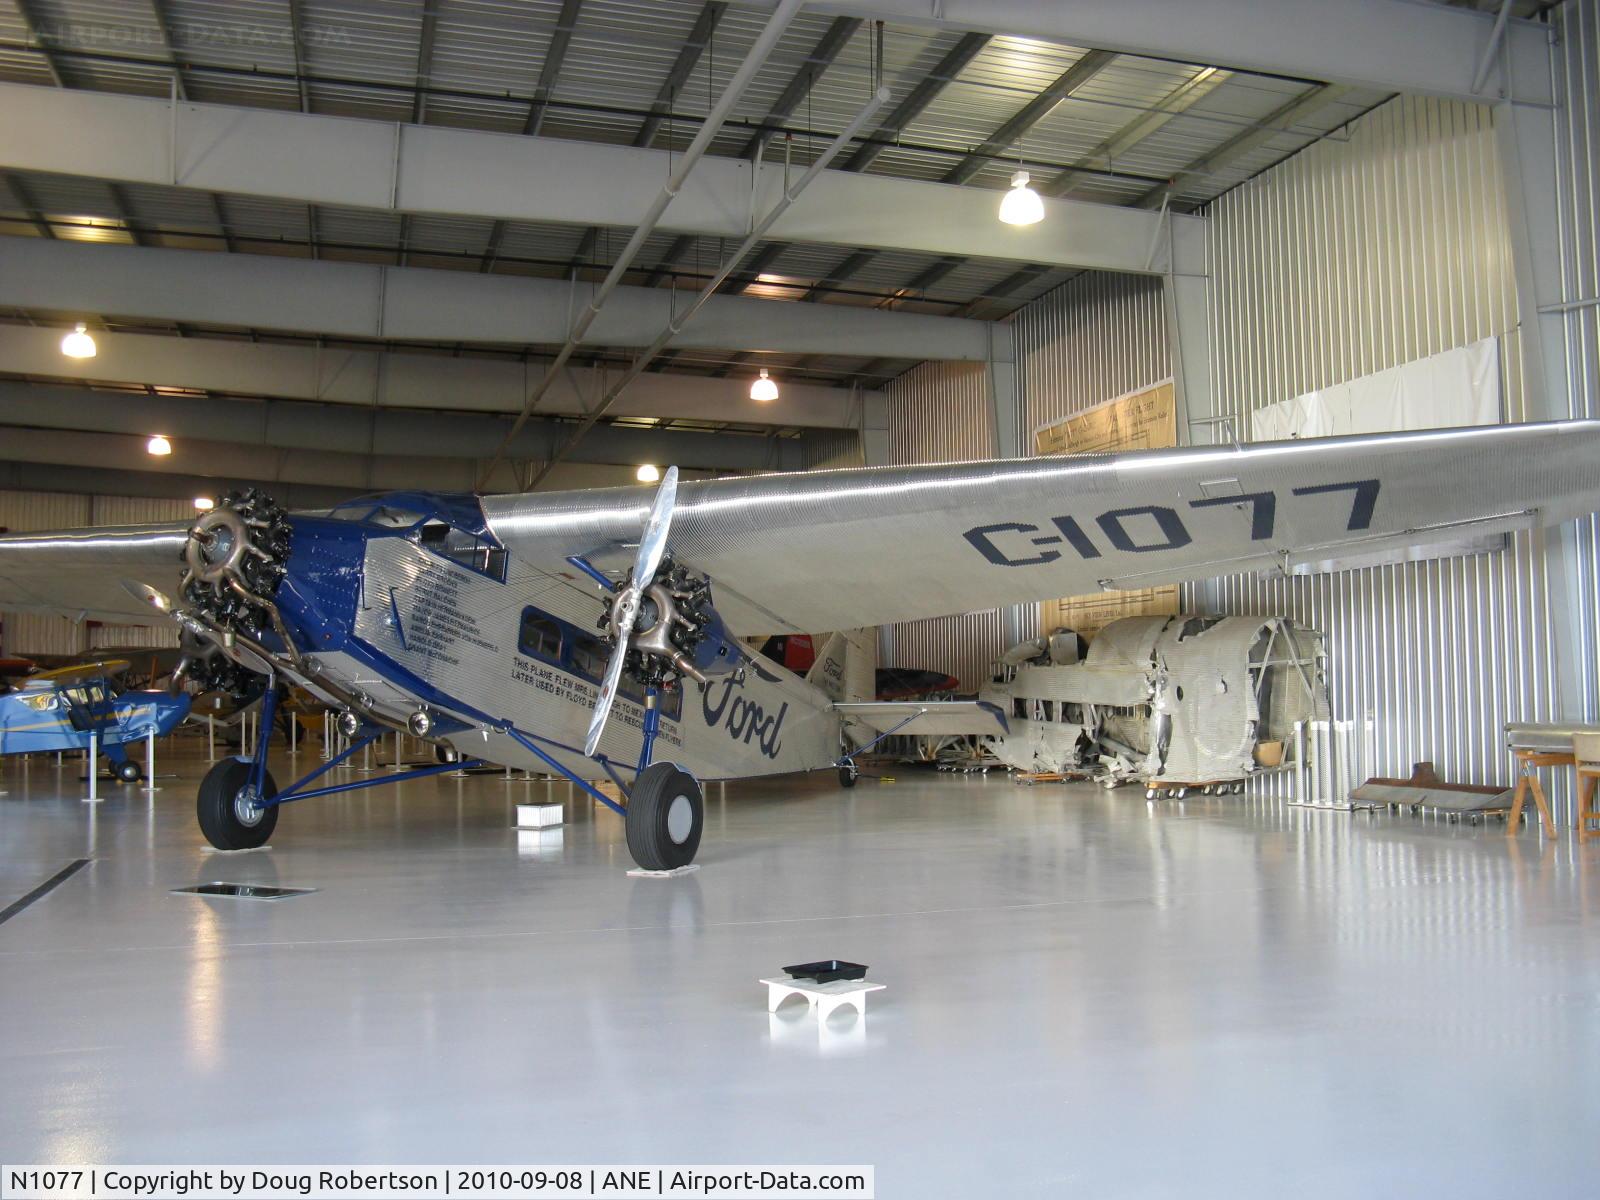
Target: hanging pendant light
[[764, 388], [78, 343], [1021, 205]]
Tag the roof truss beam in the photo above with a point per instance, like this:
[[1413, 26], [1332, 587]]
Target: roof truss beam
[[369, 378], [425, 169], [1385, 45], [927, 90], [1030, 114], [827, 49], [297, 425]]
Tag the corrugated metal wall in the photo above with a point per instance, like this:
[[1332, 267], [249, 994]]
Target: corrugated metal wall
[[1096, 337], [1578, 164], [1354, 256], [26, 512], [827, 448], [943, 412]]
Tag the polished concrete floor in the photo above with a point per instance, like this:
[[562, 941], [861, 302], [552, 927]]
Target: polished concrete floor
[[1087, 995]]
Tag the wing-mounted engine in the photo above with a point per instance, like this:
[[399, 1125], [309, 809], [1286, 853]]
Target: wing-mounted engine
[[236, 556], [676, 631]]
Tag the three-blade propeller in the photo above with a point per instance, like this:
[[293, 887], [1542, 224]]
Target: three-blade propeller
[[625, 611]]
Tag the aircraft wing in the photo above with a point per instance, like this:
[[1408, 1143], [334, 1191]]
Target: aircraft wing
[[937, 717], [841, 549], [80, 572]]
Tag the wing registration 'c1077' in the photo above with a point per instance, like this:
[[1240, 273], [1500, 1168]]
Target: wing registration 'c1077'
[[839, 549], [573, 632]]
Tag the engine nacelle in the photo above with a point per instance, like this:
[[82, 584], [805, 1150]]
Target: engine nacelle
[[236, 556], [677, 632]]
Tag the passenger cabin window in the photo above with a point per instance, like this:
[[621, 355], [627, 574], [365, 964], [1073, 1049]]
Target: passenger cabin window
[[540, 636], [576, 652], [467, 549]]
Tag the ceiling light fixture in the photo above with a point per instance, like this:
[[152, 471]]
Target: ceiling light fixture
[[648, 473], [1021, 205], [764, 388], [158, 446], [204, 503], [78, 343]]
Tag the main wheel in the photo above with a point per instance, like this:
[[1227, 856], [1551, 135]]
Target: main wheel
[[229, 815], [127, 770], [848, 774], [665, 817]]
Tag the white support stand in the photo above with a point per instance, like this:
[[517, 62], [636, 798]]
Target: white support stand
[[327, 734], [824, 999], [539, 816], [642, 873], [94, 769], [150, 762]]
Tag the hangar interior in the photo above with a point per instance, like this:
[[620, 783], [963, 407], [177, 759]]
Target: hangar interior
[[328, 249]]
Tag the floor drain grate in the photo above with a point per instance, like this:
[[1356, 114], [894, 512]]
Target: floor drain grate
[[243, 891]]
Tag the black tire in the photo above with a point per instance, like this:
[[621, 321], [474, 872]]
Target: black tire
[[848, 774], [218, 810], [127, 770], [663, 830]]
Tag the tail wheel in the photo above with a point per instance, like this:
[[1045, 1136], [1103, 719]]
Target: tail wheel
[[230, 814], [665, 817], [848, 774], [127, 771]]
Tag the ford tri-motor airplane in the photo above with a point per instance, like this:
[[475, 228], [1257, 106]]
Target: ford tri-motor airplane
[[598, 631]]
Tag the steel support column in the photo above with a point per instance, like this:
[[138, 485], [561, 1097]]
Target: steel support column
[[1527, 144]]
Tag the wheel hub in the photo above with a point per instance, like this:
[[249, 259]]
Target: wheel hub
[[680, 819], [247, 809]]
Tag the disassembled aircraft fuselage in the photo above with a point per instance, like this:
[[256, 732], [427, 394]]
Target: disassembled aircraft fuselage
[[1174, 700]]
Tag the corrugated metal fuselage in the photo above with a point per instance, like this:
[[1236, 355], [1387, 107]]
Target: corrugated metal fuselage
[[410, 629]]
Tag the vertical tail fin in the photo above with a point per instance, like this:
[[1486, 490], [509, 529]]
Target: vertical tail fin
[[846, 667]]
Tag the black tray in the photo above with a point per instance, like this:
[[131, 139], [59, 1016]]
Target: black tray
[[828, 970]]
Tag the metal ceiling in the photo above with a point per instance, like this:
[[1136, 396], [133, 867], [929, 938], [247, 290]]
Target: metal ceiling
[[1111, 128]]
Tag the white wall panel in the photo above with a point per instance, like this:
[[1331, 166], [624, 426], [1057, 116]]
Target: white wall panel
[[1354, 256]]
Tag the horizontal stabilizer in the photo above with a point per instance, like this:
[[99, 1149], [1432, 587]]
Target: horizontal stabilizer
[[935, 717]]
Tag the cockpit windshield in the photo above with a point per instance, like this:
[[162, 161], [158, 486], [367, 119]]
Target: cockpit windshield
[[387, 515]]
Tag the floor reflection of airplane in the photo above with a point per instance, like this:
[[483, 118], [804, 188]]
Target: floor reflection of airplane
[[60, 710], [598, 632]]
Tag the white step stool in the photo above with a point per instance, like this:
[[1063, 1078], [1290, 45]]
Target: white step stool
[[824, 999]]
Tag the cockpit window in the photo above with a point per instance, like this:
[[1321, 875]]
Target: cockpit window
[[467, 549], [386, 515]]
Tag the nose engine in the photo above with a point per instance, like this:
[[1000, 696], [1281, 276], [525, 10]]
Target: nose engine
[[677, 631], [236, 556]]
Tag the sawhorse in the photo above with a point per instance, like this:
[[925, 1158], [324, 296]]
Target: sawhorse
[[1528, 781]]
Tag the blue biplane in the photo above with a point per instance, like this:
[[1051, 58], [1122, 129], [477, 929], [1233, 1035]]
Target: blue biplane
[[60, 710]]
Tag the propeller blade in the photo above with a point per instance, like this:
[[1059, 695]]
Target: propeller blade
[[652, 548], [653, 543], [627, 612]]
